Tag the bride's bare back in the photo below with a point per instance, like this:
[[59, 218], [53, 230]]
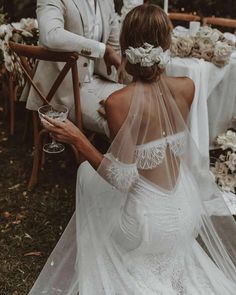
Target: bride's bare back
[[118, 104]]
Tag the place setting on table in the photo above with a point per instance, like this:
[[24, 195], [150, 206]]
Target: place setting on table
[[208, 57]]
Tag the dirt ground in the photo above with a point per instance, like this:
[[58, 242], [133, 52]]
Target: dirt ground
[[31, 222]]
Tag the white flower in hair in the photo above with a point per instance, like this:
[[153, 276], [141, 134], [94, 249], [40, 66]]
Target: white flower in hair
[[148, 55]]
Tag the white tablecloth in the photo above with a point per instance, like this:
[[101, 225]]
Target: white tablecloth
[[214, 103]]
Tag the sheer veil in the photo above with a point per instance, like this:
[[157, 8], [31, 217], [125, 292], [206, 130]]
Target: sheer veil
[[151, 201]]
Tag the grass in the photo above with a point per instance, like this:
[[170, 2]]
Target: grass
[[31, 222]]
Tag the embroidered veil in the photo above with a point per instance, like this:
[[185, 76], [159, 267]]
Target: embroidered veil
[[151, 219]]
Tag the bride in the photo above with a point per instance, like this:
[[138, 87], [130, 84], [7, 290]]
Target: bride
[[149, 218]]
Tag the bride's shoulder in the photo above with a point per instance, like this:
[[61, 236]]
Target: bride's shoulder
[[120, 99], [181, 88], [117, 108]]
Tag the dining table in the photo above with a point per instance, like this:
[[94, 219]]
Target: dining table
[[214, 103]]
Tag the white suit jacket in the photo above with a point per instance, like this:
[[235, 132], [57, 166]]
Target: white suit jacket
[[63, 26]]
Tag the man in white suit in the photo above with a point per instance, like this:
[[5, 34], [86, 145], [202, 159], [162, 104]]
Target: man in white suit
[[91, 28]]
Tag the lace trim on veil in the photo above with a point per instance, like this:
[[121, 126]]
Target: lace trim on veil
[[150, 155], [119, 174]]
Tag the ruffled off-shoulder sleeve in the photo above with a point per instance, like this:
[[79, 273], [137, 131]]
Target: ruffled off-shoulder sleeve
[[119, 174]]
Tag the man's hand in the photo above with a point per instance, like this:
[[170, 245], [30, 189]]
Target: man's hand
[[111, 58], [101, 109]]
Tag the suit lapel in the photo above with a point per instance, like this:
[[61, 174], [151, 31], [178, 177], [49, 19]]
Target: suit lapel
[[82, 10], [105, 18]]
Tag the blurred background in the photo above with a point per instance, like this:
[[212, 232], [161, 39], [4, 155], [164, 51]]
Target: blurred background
[[17, 9]]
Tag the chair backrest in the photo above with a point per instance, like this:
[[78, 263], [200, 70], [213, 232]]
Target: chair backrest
[[26, 53], [183, 16], [219, 21]]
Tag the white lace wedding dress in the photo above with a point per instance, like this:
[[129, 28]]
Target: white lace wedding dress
[[142, 224], [158, 230]]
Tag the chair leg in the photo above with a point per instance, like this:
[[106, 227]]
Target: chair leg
[[43, 159], [26, 125], [37, 159], [35, 126], [11, 106], [5, 91]]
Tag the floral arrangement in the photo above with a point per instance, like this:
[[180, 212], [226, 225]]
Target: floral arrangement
[[224, 168], [148, 55], [209, 44], [24, 32]]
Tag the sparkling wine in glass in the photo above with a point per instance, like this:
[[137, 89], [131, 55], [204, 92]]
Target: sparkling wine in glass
[[56, 112]]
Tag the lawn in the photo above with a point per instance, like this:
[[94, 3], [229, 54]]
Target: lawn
[[31, 222]]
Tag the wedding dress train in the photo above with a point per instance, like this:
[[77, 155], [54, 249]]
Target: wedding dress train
[[145, 221]]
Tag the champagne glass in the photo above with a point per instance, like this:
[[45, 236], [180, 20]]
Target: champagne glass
[[56, 112]]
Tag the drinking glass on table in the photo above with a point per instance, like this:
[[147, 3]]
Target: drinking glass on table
[[56, 112], [194, 27]]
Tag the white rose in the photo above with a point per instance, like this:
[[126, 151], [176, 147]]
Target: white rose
[[29, 24], [228, 182], [147, 55], [218, 33], [231, 140], [8, 62], [220, 169], [3, 30], [146, 61], [221, 140], [6, 32], [155, 53], [164, 59], [227, 140], [222, 53], [26, 34], [4, 46], [204, 32], [173, 46], [17, 38], [182, 46], [222, 157], [215, 35], [133, 55], [231, 163], [158, 56], [203, 48]]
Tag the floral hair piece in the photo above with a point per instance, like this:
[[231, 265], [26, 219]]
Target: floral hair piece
[[148, 55]]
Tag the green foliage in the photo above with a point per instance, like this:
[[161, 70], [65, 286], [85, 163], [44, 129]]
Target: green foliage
[[16, 9], [2, 16], [218, 8], [26, 8]]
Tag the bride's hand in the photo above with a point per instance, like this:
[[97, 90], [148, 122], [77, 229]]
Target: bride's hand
[[63, 131], [67, 132]]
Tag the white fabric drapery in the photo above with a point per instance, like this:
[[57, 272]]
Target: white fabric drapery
[[215, 97]]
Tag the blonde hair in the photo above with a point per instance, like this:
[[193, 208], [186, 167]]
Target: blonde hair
[[146, 23]]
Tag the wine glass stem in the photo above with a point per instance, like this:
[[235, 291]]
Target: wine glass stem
[[53, 143]]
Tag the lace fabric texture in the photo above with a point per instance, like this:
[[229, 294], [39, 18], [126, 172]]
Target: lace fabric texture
[[145, 221], [147, 156]]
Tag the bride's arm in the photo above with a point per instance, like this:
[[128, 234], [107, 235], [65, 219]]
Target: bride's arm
[[67, 132]]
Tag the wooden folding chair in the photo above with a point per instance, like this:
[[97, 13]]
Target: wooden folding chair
[[219, 21], [27, 53], [183, 17]]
